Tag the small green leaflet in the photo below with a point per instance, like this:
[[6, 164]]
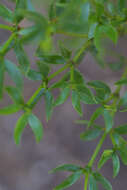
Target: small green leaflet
[[108, 30], [107, 154], [92, 183], [48, 104], [66, 167], [21, 56], [76, 102], [121, 82], [34, 75], [123, 150], [85, 94], [116, 164], [122, 129], [44, 68], [78, 77], [108, 118], [5, 13], [64, 51], [95, 115], [20, 126], [105, 183], [2, 69], [52, 59], [15, 94], [62, 97], [13, 108], [91, 134], [14, 73], [36, 127], [69, 181]]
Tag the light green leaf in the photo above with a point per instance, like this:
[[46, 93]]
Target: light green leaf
[[116, 164], [20, 126], [14, 73], [36, 127], [10, 109], [69, 181], [107, 154]]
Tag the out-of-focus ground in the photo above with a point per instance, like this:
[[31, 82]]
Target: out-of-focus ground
[[26, 167]]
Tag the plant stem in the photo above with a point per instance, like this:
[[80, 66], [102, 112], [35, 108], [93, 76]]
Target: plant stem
[[69, 34], [97, 150], [5, 27], [86, 181]]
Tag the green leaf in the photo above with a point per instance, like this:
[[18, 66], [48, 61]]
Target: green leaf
[[76, 102], [123, 150], [36, 127], [52, 59], [5, 13], [106, 184], [107, 154], [85, 11], [2, 69], [20, 126], [92, 30], [14, 73], [10, 109], [121, 4], [62, 97], [64, 51], [92, 183], [34, 75], [78, 77], [69, 181], [116, 164], [122, 129], [21, 56], [66, 167], [91, 134], [108, 118], [95, 115], [48, 104], [107, 30], [85, 94], [15, 94], [121, 82], [44, 69]]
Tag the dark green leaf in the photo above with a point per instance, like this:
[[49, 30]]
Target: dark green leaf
[[5, 13], [123, 150], [34, 75], [85, 94], [20, 126], [15, 94], [36, 127], [92, 183], [107, 154], [108, 118], [66, 167], [21, 57], [69, 181], [62, 97], [95, 115], [78, 77], [14, 73], [91, 134], [116, 164], [53, 59], [122, 129], [2, 69], [43, 68], [121, 82], [48, 104], [76, 102], [64, 51], [106, 184], [10, 109]]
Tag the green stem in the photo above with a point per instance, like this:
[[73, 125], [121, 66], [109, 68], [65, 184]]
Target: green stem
[[6, 44], [86, 181], [5, 27], [97, 150], [72, 34]]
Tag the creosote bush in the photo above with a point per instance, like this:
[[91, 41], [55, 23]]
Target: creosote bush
[[86, 26]]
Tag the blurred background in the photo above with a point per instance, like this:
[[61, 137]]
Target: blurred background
[[26, 167]]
